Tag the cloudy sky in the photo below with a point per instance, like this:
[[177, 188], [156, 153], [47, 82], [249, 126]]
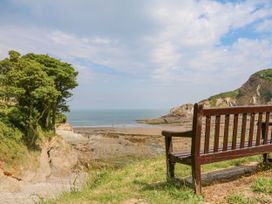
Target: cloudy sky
[[144, 53]]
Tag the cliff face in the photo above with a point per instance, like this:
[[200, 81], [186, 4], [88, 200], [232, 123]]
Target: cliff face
[[256, 90]]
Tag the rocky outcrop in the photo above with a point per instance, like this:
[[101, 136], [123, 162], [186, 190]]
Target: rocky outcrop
[[256, 90], [182, 111], [62, 157], [56, 173], [176, 115], [57, 158]]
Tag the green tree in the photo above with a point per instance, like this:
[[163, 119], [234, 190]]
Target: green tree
[[34, 92], [64, 76]]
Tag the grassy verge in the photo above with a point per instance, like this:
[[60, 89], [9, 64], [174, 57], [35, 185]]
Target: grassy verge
[[143, 181]]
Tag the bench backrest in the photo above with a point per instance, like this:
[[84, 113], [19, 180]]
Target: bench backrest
[[218, 130]]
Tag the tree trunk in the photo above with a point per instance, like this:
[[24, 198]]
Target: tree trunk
[[54, 112]]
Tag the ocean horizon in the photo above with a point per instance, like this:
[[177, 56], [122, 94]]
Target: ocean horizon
[[112, 117]]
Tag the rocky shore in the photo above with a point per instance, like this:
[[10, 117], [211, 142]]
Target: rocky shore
[[116, 145]]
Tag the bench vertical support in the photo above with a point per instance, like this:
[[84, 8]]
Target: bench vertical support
[[265, 156], [196, 177], [196, 165], [170, 166]]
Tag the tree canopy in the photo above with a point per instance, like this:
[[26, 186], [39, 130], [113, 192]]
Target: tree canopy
[[34, 90]]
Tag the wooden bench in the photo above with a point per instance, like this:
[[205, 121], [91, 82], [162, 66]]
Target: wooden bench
[[220, 134]]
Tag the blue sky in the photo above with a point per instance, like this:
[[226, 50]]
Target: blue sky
[[144, 54]]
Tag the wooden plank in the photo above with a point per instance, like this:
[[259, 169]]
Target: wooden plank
[[207, 134], [197, 126], [243, 132], [267, 118], [259, 129], [168, 133], [236, 110], [216, 133], [251, 129], [226, 132], [234, 133], [195, 151], [233, 154]]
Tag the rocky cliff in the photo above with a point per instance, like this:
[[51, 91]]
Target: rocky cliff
[[256, 90]]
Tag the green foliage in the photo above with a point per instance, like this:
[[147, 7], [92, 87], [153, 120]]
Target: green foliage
[[11, 146], [64, 77], [265, 74], [61, 118], [230, 94], [34, 90], [263, 185], [240, 198]]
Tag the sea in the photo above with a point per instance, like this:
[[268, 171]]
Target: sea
[[112, 118]]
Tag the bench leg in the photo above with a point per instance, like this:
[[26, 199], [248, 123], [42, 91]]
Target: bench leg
[[196, 178], [265, 158], [170, 165], [170, 169]]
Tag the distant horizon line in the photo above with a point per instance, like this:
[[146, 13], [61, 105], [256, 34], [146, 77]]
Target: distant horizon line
[[95, 109]]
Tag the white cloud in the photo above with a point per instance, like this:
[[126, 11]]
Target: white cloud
[[192, 33], [179, 46], [265, 26]]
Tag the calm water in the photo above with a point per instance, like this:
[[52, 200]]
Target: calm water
[[107, 118]]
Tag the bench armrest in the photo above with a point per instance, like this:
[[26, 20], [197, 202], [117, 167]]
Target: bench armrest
[[167, 133]]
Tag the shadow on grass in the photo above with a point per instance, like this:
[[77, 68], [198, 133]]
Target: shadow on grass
[[162, 186], [175, 191], [209, 178]]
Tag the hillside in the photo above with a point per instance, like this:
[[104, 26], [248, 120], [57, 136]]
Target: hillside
[[256, 90]]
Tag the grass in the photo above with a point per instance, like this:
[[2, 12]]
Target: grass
[[141, 181], [263, 185], [230, 94], [265, 74], [240, 198]]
